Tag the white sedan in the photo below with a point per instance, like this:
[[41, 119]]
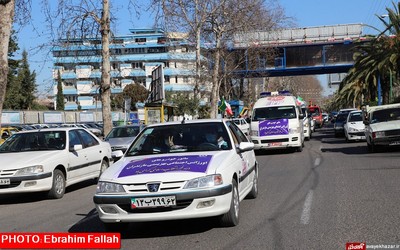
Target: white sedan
[[242, 124], [354, 128], [180, 170], [50, 160]]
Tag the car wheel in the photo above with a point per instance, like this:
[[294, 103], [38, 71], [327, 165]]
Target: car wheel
[[231, 218], [254, 190], [104, 166], [300, 149], [58, 188]]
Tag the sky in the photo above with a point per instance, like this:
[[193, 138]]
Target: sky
[[306, 13]]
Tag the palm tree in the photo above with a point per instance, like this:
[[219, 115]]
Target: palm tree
[[376, 61]]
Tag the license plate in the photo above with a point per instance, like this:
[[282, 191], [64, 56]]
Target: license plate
[[162, 201], [274, 144], [4, 181]]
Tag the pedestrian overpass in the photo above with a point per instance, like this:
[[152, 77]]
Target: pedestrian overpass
[[299, 51]]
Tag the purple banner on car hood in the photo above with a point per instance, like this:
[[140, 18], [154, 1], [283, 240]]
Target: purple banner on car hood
[[274, 127], [190, 163]]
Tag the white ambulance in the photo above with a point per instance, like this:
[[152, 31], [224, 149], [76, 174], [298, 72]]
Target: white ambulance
[[277, 122]]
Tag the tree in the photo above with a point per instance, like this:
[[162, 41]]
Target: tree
[[231, 17], [191, 16], [214, 23], [6, 19], [27, 81], [136, 92], [12, 97], [184, 104], [81, 20], [60, 105], [376, 61]]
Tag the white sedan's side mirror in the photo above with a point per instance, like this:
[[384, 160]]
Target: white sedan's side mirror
[[77, 147], [246, 146], [116, 155]]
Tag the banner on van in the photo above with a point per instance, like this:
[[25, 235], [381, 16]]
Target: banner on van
[[274, 127]]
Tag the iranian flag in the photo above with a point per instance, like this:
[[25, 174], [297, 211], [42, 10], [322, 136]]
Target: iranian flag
[[225, 107]]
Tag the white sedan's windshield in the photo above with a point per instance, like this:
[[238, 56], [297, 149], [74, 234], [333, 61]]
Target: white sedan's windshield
[[41, 140], [181, 138]]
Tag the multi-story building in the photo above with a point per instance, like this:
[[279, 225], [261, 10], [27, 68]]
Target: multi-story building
[[133, 57]]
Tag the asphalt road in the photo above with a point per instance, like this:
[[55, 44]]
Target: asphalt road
[[330, 194]]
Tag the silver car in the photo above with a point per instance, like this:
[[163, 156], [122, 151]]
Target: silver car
[[121, 137]]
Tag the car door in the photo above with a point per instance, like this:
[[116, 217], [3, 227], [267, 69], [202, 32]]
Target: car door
[[78, 162], [247, 158], [94, 152]]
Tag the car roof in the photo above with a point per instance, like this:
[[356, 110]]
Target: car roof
[[348, 109], [374, 108], [186, 122], [52, 129], [128, 126]]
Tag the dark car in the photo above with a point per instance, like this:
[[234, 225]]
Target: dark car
[[339, 124]]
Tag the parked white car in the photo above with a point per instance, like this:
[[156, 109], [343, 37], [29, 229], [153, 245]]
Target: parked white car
[[382, 126], [354, 128], [242, 124], [180, 170], [51, 160]]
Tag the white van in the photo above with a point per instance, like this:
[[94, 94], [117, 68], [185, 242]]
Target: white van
[[277, 122]]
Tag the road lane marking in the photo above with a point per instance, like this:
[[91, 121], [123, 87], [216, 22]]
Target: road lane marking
[[305, 215], [317, 161]]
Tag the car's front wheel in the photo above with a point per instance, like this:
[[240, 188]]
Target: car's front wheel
[[104, 166], [231, 218], [254, 190], [58, 188]]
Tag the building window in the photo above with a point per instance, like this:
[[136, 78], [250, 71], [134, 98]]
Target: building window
[[186, 79], [140, 40], [70, 98], [114, 66], [166, 78], [176, 79], [167, 64], [116, 83], [137, 65]]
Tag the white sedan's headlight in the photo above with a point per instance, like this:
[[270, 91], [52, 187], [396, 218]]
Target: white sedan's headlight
[[109, 187], [204, 182], [379, 134], [30, 170], [354, 129]]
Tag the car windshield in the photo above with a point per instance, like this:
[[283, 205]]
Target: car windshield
[[355, 117], [314, 112], [273, 113], [385, 115], [341, 117], [35, 141], [189, 137], [120, 132]]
